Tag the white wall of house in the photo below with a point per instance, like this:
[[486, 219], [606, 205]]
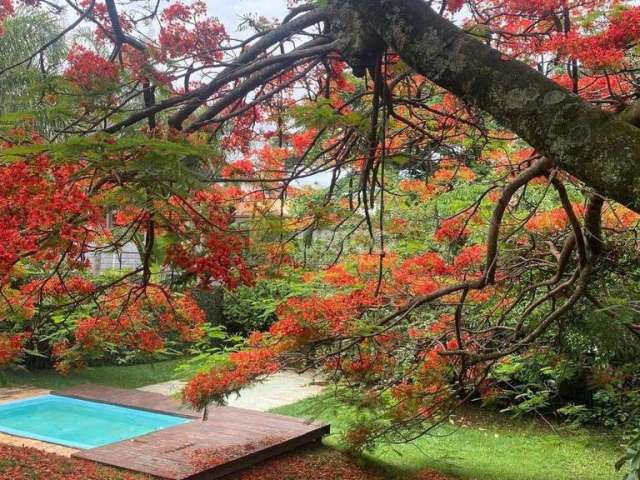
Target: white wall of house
[[126, 258]]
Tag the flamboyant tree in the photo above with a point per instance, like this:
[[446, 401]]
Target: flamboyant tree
[[519, 116]]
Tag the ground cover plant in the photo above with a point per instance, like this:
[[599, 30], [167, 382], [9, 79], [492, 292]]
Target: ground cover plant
[[475, 240]]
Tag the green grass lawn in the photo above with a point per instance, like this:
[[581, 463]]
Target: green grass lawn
[[489, 447], [132, 376]]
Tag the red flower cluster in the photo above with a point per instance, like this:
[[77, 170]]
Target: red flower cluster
[[421, 274], [38, 198], [148, 341], [202, 41], [451, 170], [11, 347], [453, 230], [89, 70], [306, 317], [211, 249], [6, 10], [58, 287], [338, 276], [219, 261], [547, 222], [91, 332], [604, 49], [243, 368], [302, 140], [424, 190], [240, 168], [143, 324], [470, 259]]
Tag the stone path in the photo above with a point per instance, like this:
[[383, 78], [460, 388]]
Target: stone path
[[279, 390]]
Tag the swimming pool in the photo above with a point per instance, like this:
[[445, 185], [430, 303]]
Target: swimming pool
[[79, 423]]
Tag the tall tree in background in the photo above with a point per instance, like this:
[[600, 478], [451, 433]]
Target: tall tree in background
[[26, 66]]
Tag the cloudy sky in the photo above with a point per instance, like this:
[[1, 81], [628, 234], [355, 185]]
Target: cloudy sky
[[229, 11]]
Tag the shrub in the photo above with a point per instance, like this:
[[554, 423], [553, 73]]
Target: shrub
[[253, 308]]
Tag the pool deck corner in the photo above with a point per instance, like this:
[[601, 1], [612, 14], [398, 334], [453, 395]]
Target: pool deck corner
[[230, 440]]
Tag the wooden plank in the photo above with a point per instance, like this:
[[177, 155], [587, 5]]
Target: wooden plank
[[232, 438]]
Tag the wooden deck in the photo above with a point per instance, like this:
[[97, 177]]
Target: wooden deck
[[232, 438]]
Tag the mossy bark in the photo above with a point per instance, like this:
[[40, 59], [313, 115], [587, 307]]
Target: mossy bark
[[597, 147]]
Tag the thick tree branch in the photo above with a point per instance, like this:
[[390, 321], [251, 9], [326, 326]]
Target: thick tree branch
[[259, 78]]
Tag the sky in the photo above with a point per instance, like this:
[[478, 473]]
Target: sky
[[230, 11]]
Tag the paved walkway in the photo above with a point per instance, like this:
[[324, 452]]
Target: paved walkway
[[278, 390]]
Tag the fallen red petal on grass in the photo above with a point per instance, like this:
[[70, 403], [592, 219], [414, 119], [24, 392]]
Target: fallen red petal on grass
[[315, 463], [23, 463]]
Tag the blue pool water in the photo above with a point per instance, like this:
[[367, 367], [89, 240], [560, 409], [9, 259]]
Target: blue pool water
[[78, 423]]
